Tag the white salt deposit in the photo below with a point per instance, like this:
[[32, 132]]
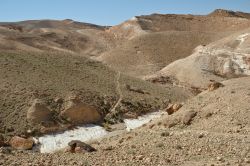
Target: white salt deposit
[[54, 142], [141, 120], [234, 61], [242, 37]]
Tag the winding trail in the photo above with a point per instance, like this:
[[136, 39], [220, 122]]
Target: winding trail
[[118, 89]]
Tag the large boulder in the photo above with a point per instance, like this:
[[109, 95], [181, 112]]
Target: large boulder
[[20, 143], [38, 112], [79, 113]]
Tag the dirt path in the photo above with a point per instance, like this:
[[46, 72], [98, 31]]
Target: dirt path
[[118, 89]]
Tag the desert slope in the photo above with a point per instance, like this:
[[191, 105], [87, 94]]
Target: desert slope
[[140, 46], [53, 35], [53, 77]]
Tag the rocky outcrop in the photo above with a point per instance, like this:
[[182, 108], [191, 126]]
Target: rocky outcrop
[[229, 13], [224, 59], [214, 85], [38, 112], [20, 143], [77, 112], [173, 108]]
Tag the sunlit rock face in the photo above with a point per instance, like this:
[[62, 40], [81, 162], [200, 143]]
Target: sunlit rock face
[[77, 112], [227, 58]]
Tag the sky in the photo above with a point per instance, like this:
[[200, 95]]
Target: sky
[[109, 12]]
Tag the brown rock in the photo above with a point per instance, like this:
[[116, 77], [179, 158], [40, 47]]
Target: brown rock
[[77, 112], [21, 143], [38, 112], [80, 147], [188, 117], [214, 85], [165, 134], [173, 108], [140, 157]]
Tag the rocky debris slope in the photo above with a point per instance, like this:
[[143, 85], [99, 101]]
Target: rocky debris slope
[[224, 110], [210, 129]]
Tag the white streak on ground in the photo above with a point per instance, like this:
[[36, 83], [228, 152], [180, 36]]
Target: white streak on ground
[[55, 142], [242, 38], [141, 120]]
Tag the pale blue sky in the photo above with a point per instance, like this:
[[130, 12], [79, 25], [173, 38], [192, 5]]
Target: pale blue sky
[[109, 12]]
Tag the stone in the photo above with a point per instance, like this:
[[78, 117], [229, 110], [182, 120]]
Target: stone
[[188, 117], [179, 147], [208, 114], [172, 108], [77, 112], [214, 85], [165, 134], [77, 146], [140, 157], [219, 158], [201, 135], [38, 112], [20, 143]]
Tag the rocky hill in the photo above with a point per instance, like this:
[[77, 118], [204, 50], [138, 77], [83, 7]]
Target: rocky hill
[[148, 43], [160, 89]]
